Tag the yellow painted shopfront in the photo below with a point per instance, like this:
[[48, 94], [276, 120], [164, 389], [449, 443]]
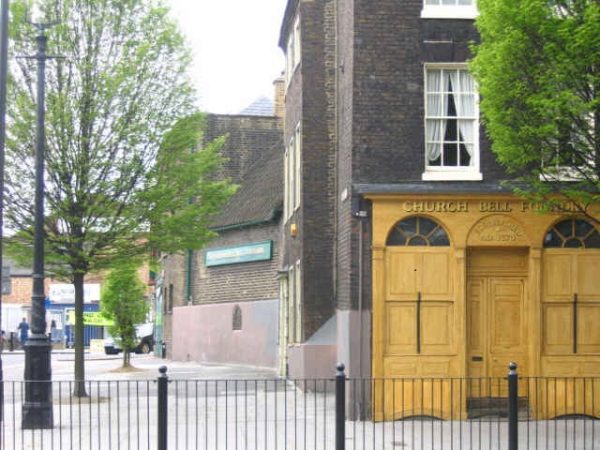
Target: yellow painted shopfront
[[463, 286]]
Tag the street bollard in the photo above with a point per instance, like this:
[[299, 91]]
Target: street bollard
[[163, 382], [513, 407], [340, 408]]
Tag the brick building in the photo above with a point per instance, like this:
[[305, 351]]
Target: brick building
[[16, 302], [221, 304], [16, 295], [404, 254]]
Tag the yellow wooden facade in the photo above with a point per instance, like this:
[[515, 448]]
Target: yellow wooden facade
[[492, 296]]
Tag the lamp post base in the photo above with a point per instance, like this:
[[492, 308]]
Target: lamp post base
[[37, 408]]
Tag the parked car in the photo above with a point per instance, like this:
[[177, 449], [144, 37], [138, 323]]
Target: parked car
[[145, 340]]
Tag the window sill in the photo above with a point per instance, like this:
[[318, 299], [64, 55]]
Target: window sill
[[449, 12], [564, 174], [452, 175]]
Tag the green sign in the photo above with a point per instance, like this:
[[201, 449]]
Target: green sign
[[94, 318], [259, 251]]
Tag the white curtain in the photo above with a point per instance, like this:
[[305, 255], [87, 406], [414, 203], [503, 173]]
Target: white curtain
[[436, 110], [463, 90]]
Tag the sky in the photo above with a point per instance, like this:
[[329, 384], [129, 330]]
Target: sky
[[235, 49]]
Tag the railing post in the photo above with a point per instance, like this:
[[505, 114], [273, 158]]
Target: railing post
[[163, 381], [340, 408], [513, 407]]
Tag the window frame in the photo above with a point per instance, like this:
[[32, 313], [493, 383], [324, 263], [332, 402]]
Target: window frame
[[298, 303], [291, 286], [289, 180], [292, 175], [237, 318], [568, 172], [293, 51], [289, 55], [297, 167], [581, 238], [449, 173], [286, 186], [455, 11], [170, 298], [292, 189], [427, 237], [297, 42]]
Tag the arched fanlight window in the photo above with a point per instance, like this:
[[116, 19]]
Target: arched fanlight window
[[418, 231], [237, 318], [572, 233]]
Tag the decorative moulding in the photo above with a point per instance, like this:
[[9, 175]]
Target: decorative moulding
[[497, 230]]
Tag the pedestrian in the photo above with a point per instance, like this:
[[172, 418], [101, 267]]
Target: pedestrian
[[53, 331], [23, 331]]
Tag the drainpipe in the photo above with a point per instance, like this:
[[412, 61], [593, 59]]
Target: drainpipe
[[188, 277], [361, 215]]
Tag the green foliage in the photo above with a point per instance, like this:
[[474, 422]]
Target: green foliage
[[121, 86], [184, 192], [538, 69], [119, 171], [122, 301]]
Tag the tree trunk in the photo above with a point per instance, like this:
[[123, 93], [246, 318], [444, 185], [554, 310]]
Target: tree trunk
[[126, 358], [79, 356]]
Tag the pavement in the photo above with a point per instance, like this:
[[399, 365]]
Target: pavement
[[220, 406], [121, 409], [99, 366]]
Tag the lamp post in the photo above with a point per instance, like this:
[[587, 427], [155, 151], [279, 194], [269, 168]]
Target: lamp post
[[37, 408]]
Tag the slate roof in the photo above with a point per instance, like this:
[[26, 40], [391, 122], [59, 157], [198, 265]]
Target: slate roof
[[259, 198], [262, 106]]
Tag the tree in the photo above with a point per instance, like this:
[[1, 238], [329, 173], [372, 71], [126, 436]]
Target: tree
[[122, 301], [538, 69], [120, 174]]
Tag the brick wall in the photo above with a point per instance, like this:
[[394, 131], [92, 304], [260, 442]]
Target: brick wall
[[382, 47], [345, 149], [391, 44], [173, 275], [279, 97], [21, 288], [238, 282], [248, 138], [253, 281], [310, 100], [247, 135]]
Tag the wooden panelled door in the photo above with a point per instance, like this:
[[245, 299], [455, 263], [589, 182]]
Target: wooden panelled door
[[496, 318], [419, 330], [415, 323], [570, 332]]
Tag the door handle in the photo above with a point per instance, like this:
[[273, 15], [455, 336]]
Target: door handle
[[477, 358]]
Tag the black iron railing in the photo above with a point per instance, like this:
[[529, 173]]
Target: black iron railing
[[337, 413]]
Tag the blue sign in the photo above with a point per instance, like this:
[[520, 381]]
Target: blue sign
[[259, 251]]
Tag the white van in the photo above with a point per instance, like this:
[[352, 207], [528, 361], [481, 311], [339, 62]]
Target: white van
[[145, 340]]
